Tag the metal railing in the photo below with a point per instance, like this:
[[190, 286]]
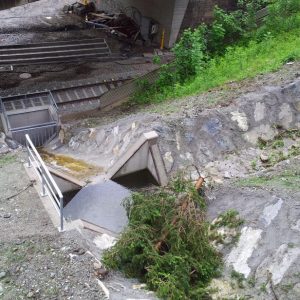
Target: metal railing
[[49, 186], [41, 133]]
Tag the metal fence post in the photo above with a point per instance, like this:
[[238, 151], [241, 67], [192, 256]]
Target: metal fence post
[[61, 203], [43, 194], [28, 153]]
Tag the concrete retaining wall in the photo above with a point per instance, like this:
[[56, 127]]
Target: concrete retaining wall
[[201, 11]]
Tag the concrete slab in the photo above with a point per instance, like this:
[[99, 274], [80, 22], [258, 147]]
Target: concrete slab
[[100, 204]]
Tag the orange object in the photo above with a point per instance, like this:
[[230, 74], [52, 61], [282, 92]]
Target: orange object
[[199, 183], [162, 41]]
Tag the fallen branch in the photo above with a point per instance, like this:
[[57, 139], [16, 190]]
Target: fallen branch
[[183, 207], [32, 182]]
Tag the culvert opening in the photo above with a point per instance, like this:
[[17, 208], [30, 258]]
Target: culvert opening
[[139, 179], [67, 185]]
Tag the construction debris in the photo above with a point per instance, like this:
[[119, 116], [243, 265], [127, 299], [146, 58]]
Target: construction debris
[[79, 9]]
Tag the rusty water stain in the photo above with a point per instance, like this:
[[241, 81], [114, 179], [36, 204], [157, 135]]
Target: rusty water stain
[[75, 167]]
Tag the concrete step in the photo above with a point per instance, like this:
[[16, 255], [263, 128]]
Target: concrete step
[[57, 43], [52, 48], [53, 53], [53, 59]]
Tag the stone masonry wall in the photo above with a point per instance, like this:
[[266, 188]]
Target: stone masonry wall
[[200, 11]]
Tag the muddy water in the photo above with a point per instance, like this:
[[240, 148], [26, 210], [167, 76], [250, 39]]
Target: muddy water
[[6, 4]]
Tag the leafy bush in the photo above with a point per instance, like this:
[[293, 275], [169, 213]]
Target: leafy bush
[[225, 29], [190, 57], [284, 16], [165, 245], [231, 48], [190, 53]]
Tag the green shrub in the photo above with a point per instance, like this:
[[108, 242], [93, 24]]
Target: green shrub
[[190, 53], [185, 263], [225, 29], [231, 48], [284, 16]]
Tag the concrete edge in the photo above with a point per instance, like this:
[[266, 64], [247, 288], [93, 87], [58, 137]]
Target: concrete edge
[[45, 200], [150, 137], [66, 177]]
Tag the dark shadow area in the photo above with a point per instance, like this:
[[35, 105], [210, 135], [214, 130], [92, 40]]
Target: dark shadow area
[[136, 180], [68, 196]]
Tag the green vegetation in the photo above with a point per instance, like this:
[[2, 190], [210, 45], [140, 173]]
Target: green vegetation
[[263, 287], [289, 180], [229, 219], [278, 156], [274, 147], [254, 164], [287, 287], [251, 281], [278, 142], [167, 243], [232, 48], [7, 159], [240, 278]]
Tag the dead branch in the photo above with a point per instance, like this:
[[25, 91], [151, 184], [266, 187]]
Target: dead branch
[[183, 207]]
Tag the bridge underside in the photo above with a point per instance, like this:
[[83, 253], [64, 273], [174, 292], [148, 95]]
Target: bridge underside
[[172, 15]]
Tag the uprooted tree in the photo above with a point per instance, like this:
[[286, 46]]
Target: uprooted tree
[[167, 243]]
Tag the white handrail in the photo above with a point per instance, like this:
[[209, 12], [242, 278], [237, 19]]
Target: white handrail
[[49, 186]]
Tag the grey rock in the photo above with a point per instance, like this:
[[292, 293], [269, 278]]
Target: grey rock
[[2, 138], [25, 75], [264, 157], [6, 216], [12, 144], [30, 295], [227, 175], [79, 251], [2, 275]]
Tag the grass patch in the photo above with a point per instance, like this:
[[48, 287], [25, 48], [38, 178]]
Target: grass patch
[[239, 277], [167, 243], [278, 142], [239, 63], [7, 159], [289, 180], [229, 219]]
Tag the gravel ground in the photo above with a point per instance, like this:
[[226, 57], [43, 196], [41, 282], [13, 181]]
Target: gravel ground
[[36, 260]]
